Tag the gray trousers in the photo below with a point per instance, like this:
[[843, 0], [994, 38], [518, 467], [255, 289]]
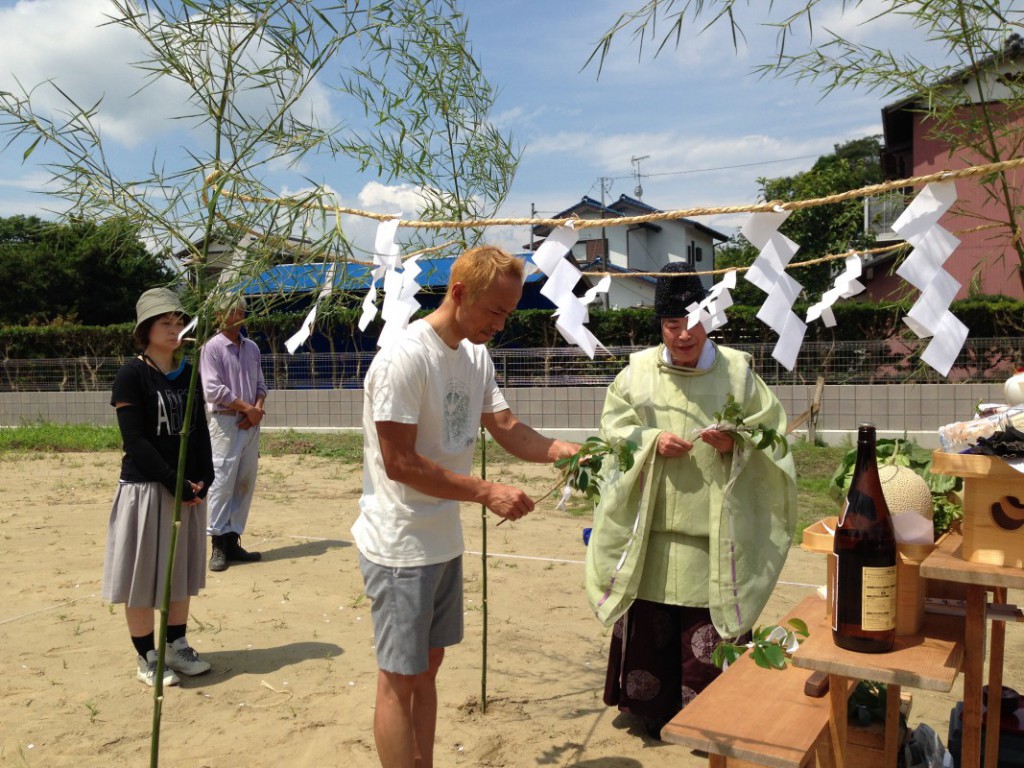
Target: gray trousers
[[235, 456]]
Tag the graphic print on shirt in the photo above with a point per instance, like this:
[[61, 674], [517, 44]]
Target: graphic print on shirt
[[457, 432], [170, 411]]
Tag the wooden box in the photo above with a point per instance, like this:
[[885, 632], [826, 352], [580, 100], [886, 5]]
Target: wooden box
[[993, 524], [865, 745], [910, 585]]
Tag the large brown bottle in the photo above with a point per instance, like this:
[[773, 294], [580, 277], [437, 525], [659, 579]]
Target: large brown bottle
[[864, 589]]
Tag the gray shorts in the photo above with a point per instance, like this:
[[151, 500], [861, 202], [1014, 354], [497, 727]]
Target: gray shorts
[[414, 609]]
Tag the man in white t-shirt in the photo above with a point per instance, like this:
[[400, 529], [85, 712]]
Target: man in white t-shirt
[[425, 398]]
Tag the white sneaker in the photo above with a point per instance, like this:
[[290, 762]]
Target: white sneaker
[[147, 671], [182, 658]]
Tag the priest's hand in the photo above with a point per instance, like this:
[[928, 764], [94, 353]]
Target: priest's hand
[[722, 442], [670, 445]]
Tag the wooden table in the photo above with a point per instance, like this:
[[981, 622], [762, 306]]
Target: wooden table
[[946, 563], [929, 660], [753, 715]]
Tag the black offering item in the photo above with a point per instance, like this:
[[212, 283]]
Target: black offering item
[[1009, 700], [1009, 444]]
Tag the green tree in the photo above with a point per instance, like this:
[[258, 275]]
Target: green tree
[[820, 231], [972, 36], [80, 271], [834, 228], [738, 252]]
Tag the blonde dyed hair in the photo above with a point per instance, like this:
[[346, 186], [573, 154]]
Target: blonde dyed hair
[[479, 267]]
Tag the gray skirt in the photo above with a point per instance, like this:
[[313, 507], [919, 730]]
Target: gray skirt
[[139, 543]]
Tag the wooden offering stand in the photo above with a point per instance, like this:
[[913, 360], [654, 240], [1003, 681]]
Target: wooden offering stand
[[751, 716], [993, 524], [929, 660], [988, 557]]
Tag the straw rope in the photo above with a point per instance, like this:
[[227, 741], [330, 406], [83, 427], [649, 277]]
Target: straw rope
[[791, 205], [215, 179]]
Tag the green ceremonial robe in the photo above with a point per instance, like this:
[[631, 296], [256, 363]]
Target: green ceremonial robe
[[703, 529]]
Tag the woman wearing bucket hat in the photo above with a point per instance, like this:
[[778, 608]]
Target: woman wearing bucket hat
[[687, 545], [150, 394]]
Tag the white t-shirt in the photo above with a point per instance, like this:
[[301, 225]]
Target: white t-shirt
[[421, 380]]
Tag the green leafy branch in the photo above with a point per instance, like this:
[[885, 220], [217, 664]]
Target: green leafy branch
[[769, 646], [582, 470], [732, 419]]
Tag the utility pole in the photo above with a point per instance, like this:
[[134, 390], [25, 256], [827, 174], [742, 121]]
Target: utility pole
[[606, 186], [533, 214], [639, 190]]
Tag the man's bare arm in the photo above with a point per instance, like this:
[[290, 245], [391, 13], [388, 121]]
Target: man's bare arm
[[523, 441], [404, 465]]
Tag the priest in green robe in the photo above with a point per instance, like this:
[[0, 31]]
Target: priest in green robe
[[687, 545]]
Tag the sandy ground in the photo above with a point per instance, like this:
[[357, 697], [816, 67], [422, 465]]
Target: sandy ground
[[290, 638]]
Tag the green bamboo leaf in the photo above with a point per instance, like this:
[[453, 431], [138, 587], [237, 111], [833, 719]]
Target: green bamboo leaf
[[31, 148]]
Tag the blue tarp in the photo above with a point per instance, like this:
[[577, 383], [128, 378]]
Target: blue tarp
[[350, 277]]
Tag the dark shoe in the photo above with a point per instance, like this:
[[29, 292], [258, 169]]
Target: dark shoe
[[235, 553], [653, 726], [218, 557]]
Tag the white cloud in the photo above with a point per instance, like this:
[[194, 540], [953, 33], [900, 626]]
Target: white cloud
[[68, 42], [861, 22], [73, 44], [672, 151], [383, 198]]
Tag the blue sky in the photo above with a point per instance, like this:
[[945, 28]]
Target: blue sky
[[707, 126]]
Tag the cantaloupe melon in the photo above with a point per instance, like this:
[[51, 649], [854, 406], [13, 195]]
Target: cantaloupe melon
[[905, 490]]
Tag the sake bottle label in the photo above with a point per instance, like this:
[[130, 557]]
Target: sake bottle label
[[878, 599]]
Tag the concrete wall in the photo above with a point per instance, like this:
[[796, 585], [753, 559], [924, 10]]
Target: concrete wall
[[916, 410]]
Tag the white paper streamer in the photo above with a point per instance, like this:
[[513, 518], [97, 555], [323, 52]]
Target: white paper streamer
[[768, 272], [191, 324], [930, 316], [571, 311], [710, 312], [400, 302], [385, 249], [845, 286], [370, 299], [306, 329], [399, 288], [718, 300]]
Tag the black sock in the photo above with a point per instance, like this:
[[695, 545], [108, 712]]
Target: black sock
[[144, 644], [175, 631]]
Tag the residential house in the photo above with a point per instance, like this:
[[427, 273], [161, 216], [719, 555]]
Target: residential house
[[643, 247], [985, 261]]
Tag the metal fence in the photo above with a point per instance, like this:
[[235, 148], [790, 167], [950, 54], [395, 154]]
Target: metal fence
[[891, 361]]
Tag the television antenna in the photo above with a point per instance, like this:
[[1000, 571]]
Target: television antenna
[[639, 190]]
